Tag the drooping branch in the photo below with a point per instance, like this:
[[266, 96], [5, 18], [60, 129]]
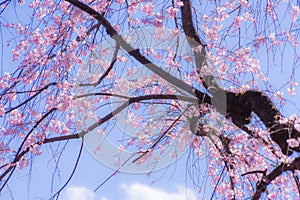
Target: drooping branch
[[239, 106], [20, 154], [130, 101], [31, 97], [110, 67], [266, 180], [57, 194], [197, 46], [137, 55], [192, 36]]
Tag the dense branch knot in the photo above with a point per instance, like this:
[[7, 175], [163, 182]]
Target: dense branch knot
[[240, 106]]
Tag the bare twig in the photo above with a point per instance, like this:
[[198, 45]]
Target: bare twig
[[71, 175]]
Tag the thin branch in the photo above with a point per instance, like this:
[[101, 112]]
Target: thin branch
[[126, 104], [157, 140], [113, 61], [19, 153], [136, 53], [255, 172], [115, 172], [196, 45], [71, 175], [215, 188], [23, 153], [141, 98], [32, 97], [296, 178]]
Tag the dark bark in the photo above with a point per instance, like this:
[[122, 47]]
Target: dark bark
[[239, 106]]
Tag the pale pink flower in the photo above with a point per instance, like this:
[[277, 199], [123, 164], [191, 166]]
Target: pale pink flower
[[34, 114], [293, 143], [97, 150], [136, 106], [117, 28], [34, 150], [101, 132], [160, 32], [65, 7], [149, 51], [172, 12], [179, 3], [270, 10], [21, 2], [244, 3], [148, 9], [291, 38], [120, 1], [174, 32], [279, 95], [294, 13], [22, 163], [293, 83], [105, 51], [16, 54], [134, 21], [9, 25], [122, 59], [283, 120], [238, 21], [157, 56], [65, 130], [187, 58], [121, 148], [291, 91], [196, 142], [2, 111], [132, 8]]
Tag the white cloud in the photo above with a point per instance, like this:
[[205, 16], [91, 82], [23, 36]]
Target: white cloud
[[78, 193], [137, 191]]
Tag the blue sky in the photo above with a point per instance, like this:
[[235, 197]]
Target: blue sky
[[166, 184], [34, 182], [172, 183]]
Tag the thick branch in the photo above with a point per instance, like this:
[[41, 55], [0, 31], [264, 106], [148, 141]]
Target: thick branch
[[190, 32], [239, 106], [197, 45]]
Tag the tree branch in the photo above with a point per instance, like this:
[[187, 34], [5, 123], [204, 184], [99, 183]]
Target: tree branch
[[240, 105], [266, 180], [137, 55]]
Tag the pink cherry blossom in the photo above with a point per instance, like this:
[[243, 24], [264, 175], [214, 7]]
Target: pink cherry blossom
[[295, 12], [148, 9], [172, 12]]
